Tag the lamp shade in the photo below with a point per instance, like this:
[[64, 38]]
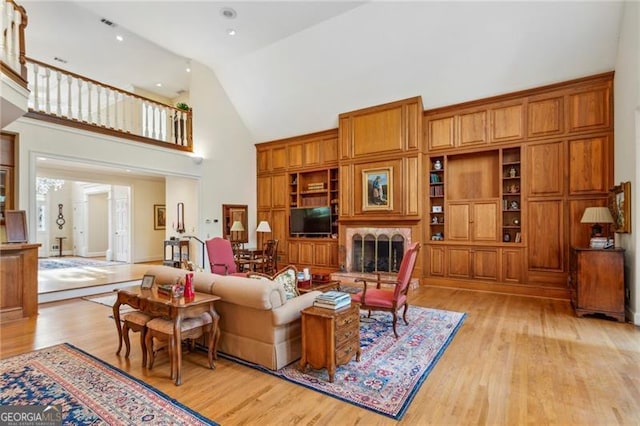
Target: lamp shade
[[237, 226], [263, 226], [596, 215]]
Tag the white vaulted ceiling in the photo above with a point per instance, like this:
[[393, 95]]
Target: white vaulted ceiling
[[293, 67]]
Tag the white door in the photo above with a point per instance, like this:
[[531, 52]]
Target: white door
[[121, 243], [79, 229], [42, 234]]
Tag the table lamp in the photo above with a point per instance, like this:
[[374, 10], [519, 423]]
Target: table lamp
[[597, 216], [236, 227], [263, 227]]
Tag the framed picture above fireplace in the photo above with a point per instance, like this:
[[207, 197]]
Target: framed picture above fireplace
[[377, 187]]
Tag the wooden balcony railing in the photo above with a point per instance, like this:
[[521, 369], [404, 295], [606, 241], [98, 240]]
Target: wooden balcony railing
[[12, 50], [70, 99]]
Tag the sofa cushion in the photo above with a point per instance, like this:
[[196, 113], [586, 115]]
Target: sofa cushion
[[287, 277]]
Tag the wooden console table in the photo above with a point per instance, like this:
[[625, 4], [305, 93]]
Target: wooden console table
[[18, 281], [330, 338], [149, 301]]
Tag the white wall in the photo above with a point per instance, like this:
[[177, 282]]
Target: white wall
[[98, 224], [627, 141]]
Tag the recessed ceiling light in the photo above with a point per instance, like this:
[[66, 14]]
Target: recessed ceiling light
[[158, 84], [228, 12], [119, 38], [231, 32], [188, 69]]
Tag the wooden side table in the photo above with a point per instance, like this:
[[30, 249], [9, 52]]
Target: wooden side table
[[330, 338]]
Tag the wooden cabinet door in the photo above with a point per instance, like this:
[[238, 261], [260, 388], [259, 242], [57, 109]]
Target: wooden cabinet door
[[485, 221], [485, 264], [436, 261], [472, 129], [295, 152], [507, 122], [294, 251], [512, 267], [329, 150], [589, 170], [305, 253], [279, 228], [264, 192], [459, 262], [262, 160], [545, 231], [326, 254], [590, 109], [546, 117], [457, 221], [311, 153], [544, 166], [280, 191], [440, 133], [279, 160]]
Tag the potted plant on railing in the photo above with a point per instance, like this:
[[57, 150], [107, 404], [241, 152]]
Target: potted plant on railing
[[179, 123]]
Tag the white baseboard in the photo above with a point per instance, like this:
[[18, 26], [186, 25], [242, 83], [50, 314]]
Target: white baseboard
[[84, 291]]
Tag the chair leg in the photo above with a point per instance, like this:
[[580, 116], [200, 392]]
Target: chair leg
[[395, 320], [125, 335], [404, 314], [143, 346], [149, 344]]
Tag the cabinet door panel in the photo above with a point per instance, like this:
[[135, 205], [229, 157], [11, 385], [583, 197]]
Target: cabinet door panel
[[264, 192], [346, 191], [512, 265], [440, 133], [485, 264], [311, 153], [485, 221], [589, 165], [330, 150], [459, 262], [473, 129], [458, 216], [545, 117], [279, 228], [506, 123], [294, 250], [546, 235], [436, 261], [590, 109], [279, 191], [295, 155], [262, 160], [305, 253], [545, 162]]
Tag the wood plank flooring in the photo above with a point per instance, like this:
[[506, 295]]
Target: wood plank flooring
[[516, 360]]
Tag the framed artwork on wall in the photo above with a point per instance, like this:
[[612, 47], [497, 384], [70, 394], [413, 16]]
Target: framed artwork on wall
[[377, 188], [159, 216], [620, 206]]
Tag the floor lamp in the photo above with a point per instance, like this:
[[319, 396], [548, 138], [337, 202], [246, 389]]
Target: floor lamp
[[263, 227]]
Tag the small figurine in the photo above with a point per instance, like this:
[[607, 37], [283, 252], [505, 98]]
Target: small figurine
[[434, 220], [437, 165], [513, 172], [514, 205]]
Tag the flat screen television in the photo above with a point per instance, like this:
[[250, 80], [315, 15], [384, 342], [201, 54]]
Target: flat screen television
[[310, 220]]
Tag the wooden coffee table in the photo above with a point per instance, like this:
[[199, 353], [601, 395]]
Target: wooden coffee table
[[320, 286]]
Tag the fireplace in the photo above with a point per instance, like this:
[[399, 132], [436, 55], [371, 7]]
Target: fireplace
[[372, 250]]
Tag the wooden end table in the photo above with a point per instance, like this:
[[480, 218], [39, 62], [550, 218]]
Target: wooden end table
[[330, 338], [318, 285]]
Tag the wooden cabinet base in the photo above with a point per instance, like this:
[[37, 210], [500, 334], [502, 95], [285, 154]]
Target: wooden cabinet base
[[18, 281]]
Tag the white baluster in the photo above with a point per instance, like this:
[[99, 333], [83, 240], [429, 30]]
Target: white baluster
[[154, 125], [124, 111], [89, 103], [115, 111], [69, 80], [80, 115], [58, 94], [107, 107], [36, 87], [47, 91], [147, 111]]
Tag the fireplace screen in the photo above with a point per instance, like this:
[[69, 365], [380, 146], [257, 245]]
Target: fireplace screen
[[377, 253]]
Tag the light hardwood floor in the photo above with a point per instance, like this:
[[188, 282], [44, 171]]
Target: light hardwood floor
[[516, 360]]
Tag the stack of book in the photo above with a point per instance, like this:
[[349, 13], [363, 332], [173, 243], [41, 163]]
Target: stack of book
[[315, 186], [599, 242], [333, 300]]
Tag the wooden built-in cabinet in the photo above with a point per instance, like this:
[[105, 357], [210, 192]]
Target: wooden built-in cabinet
[[300, 172], [18, 281], [517, 173]]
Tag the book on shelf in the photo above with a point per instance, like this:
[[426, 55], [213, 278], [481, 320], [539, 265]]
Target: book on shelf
[[319, 304]]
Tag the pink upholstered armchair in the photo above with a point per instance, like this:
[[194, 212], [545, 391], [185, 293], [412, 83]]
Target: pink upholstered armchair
[[221, 258], [378, 299]]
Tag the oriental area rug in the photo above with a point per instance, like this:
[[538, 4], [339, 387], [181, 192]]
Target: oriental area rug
[[390, 371], [73, 262], [87, 390]]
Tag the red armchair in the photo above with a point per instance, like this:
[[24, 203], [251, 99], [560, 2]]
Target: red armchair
[[221, 258], [378, 299]]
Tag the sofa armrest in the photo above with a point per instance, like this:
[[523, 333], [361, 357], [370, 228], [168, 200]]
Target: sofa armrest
[[290, 311]]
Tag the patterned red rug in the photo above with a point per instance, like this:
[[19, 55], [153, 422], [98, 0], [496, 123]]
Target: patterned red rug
[[86, 390]]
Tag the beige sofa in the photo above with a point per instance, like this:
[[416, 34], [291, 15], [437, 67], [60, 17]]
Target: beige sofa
[[257, 322]]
